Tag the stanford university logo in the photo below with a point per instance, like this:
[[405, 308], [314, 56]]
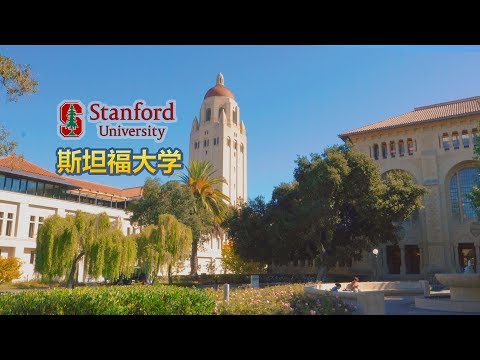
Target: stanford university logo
[[71, 125]]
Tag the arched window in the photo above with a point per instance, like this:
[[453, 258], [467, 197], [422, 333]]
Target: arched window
[[228, 141], [455, 140], [241, 148], [384, 150], [220, 112], [401, 148], [375, 151], [446, 141], [465, 139], [208, 114], [235, 116], [410, 146], [393, 149], [461, 184]]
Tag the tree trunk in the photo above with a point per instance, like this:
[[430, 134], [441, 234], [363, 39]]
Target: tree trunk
[[73, 270], [169, 271], [194, 258]]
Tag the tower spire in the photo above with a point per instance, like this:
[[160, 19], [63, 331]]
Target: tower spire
[[220, 79]]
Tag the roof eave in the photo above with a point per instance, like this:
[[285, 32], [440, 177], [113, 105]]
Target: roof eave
[[348, 134]]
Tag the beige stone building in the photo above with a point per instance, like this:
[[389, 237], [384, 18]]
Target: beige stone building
[[219, 136], [434, 144]]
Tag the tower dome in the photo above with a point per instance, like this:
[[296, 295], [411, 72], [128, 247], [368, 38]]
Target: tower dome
[[219, 89]]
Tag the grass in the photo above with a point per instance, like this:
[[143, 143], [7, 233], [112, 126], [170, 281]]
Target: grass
[[278, 300], [23, 285]]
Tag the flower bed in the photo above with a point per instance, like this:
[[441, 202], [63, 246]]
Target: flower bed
[[279, 300]]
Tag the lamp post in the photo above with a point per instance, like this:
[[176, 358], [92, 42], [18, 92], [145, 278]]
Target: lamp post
[[375, 263]]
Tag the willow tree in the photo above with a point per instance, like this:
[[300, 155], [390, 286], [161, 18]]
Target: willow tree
[[63, 242], [164, 245]]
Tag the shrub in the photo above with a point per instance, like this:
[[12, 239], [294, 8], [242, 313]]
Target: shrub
[[279, 300], [112, 300], [9, 269]]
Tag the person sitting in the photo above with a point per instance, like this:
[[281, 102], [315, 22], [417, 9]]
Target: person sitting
[[353, 286], [336, 287]]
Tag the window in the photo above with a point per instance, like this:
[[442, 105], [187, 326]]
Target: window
[[49, 190], [8, 183], [31, 187], [214, 141], [465, 139], [461, 185], [455, 140], [208, 142], [401, 148], [2, 181], [204, 143], [1, 222], [375, 151], [31, 229], [8, 229], [474, 136], [412, 259], [15, 185], [228, 141], [208, 115], [23, 186], [40, 222], [40, 188], [445, 142], [32, 257], [410, 146], [394, 260], [241, 148], [220, 113], [393, 149], [235, 115], [384, 150]]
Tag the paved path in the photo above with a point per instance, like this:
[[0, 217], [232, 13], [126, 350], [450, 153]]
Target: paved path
[[405, 305]]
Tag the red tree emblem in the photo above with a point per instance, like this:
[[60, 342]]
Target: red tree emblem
[[71, 122]]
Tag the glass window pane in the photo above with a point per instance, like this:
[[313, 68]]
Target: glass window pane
[[31, 187], [16, 184], [48, 190], [8, 183], [40, 188], [2, 181], [23, 185]]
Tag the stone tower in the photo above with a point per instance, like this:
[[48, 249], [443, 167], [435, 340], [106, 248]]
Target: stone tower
[[219, 136]]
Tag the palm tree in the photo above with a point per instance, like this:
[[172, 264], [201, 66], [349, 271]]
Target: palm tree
[[200, 179]]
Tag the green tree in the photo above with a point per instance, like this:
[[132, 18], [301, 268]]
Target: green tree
[[63, 242], [17, 81], [337, 208], [171, 198], [200, 179], [72, 122], [164, 244], [232, 262]]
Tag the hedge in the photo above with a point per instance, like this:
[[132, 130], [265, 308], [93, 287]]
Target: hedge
[[112, 300]]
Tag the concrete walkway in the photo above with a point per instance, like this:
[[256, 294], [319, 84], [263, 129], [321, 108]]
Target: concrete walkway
[[405, 305]]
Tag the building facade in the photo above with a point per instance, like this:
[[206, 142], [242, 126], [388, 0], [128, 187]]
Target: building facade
[[435, 145], [219, 136], [29, 193]]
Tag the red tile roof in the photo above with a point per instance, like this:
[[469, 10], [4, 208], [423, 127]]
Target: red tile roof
[[15, 162], [446, 110]]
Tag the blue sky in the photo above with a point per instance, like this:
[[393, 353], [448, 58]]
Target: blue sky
[[294, 100]]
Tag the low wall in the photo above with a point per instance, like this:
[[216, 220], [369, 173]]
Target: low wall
[[387, 287], [367, 303]]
